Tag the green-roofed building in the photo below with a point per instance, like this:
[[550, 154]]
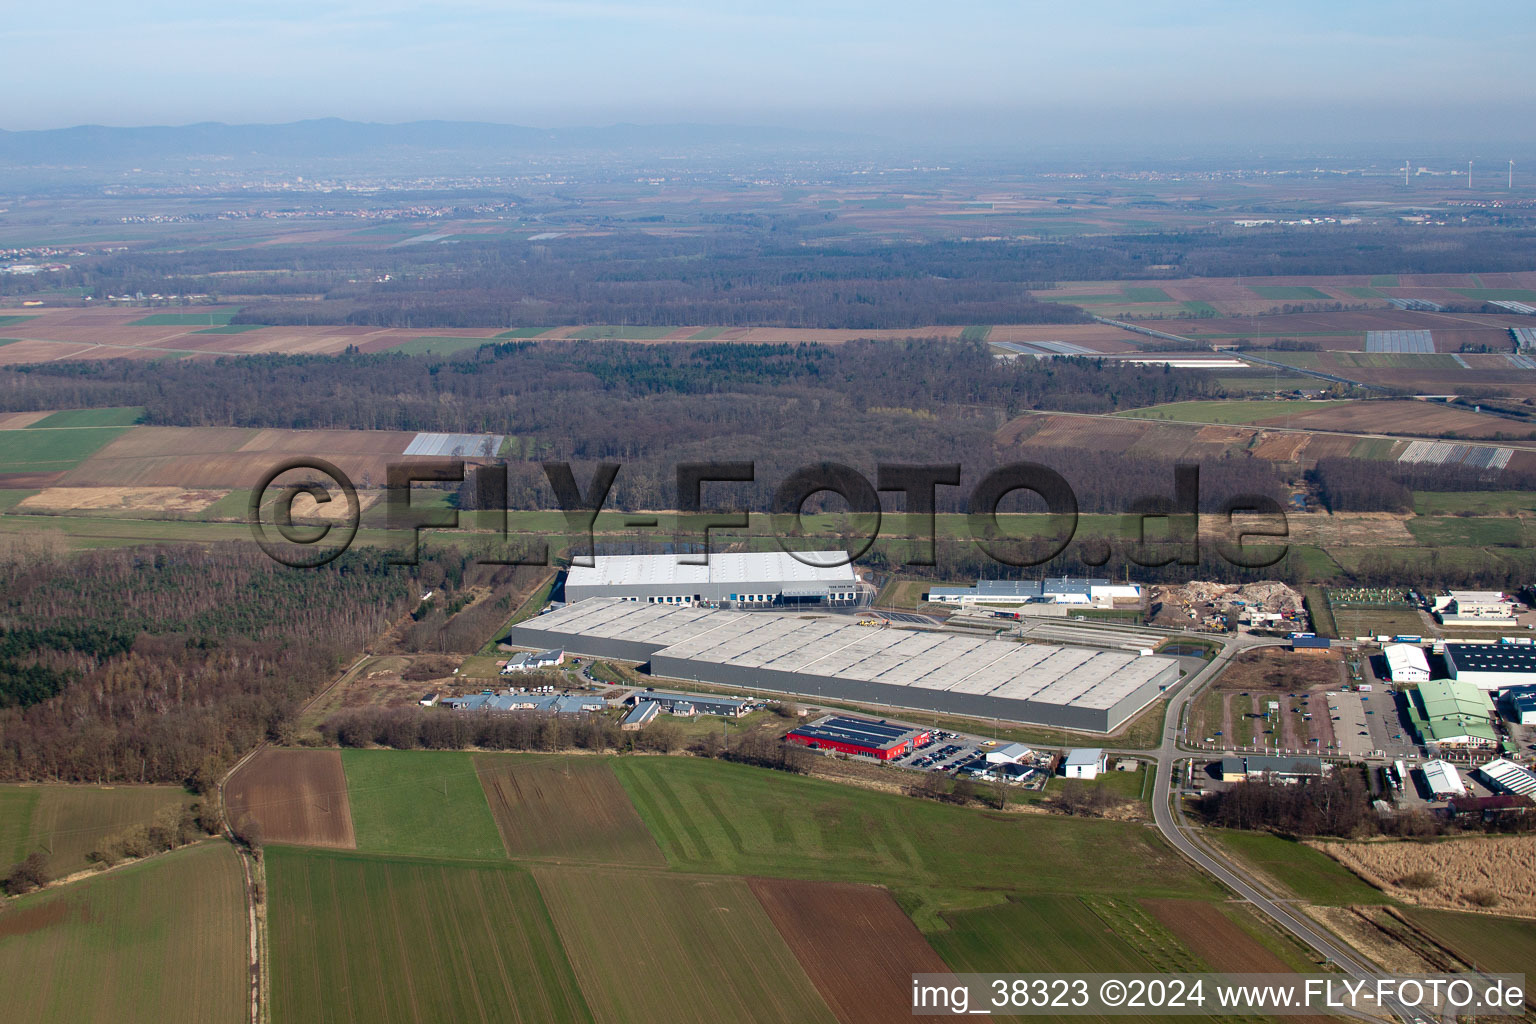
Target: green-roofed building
[[1450, 713]]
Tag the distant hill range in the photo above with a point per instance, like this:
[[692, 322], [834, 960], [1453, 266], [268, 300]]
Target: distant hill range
[[328, 144]]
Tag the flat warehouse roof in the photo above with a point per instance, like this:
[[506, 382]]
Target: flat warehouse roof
[[882, 735], [723, 568], [1492, 657], [834, 646]]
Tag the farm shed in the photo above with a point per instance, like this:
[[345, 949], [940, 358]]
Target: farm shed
[[642, 715]]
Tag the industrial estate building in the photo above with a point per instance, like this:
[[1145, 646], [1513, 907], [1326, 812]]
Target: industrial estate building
[[1492, 666], [1474, 608], [1283, 769], [1521, 702], [691, 703], [742, 579], [1063, 590], [828, 656], [1509, 777], [841, 734], [1443, 780], [1406, 663], [1452, 713]]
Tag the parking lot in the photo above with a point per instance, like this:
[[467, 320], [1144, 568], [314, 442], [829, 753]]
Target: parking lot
[[1351, 726]]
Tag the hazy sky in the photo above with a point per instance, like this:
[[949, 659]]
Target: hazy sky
[[1079, 67]]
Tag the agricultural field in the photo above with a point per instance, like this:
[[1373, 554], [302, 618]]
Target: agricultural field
[[157, 941], [854, 943], [1227, 937], [375, 939], [33, 450], [121, 416], [732, 819], [293, 796], [1313, 876], [1272, 413], [1482, 503], [1467, 531], [67, 822], [420, 803], [1455, 874], [693, 950], [1496, 944], [564, 808]]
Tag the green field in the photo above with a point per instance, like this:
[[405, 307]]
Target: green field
[[1373, 448], [10, 320], [1497, 944], [1146, 294], [732, 819], [976, 332], [1466, 531], [30, 450], [372, 939], [420, 803], [707, 334], [694, 951], [1312, 875], [121, 416], [67, 822], [1383, 280], [1286, 291], [1227, 412], [1446, 503], [594, 332], [161, 940], [218, 319], [436, 346], [1199, 308]]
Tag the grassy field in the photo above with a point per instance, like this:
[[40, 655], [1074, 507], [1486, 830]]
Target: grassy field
[[30, 450], [420, 803], [1149, 293], [1498, 944], [1198, 307], [1498, 294], [373, 939], [10, 320], [693, 950], [707, 334], [214, 319], [436, 346], [1466, 531], [162, 940], [976, 332], [1226, 412], [232, 329], [1313, 876], [1449, 503], [68, 822], [1283, 292], [732, 819], [121, 416]]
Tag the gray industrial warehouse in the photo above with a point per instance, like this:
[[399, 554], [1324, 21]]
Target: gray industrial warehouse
[[827, 656], [736, 579]]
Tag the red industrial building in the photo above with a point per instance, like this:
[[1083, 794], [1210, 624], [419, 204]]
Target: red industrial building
[[880, 740]]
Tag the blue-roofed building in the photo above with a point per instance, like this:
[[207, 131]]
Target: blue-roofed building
[[643, 714], [690, 704]]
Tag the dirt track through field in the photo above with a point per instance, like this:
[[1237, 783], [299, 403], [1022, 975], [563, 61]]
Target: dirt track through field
[[294, 796], [854, 942]]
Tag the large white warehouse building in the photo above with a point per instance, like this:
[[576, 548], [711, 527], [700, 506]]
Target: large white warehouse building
[[830, 657], [736, 579], [1406, 663]]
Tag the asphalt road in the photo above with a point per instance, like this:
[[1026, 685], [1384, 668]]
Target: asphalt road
[[1170, 821]]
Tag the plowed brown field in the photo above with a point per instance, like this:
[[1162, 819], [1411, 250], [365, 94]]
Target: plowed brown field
[[564, 808], [854, 942], [294, 796]]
